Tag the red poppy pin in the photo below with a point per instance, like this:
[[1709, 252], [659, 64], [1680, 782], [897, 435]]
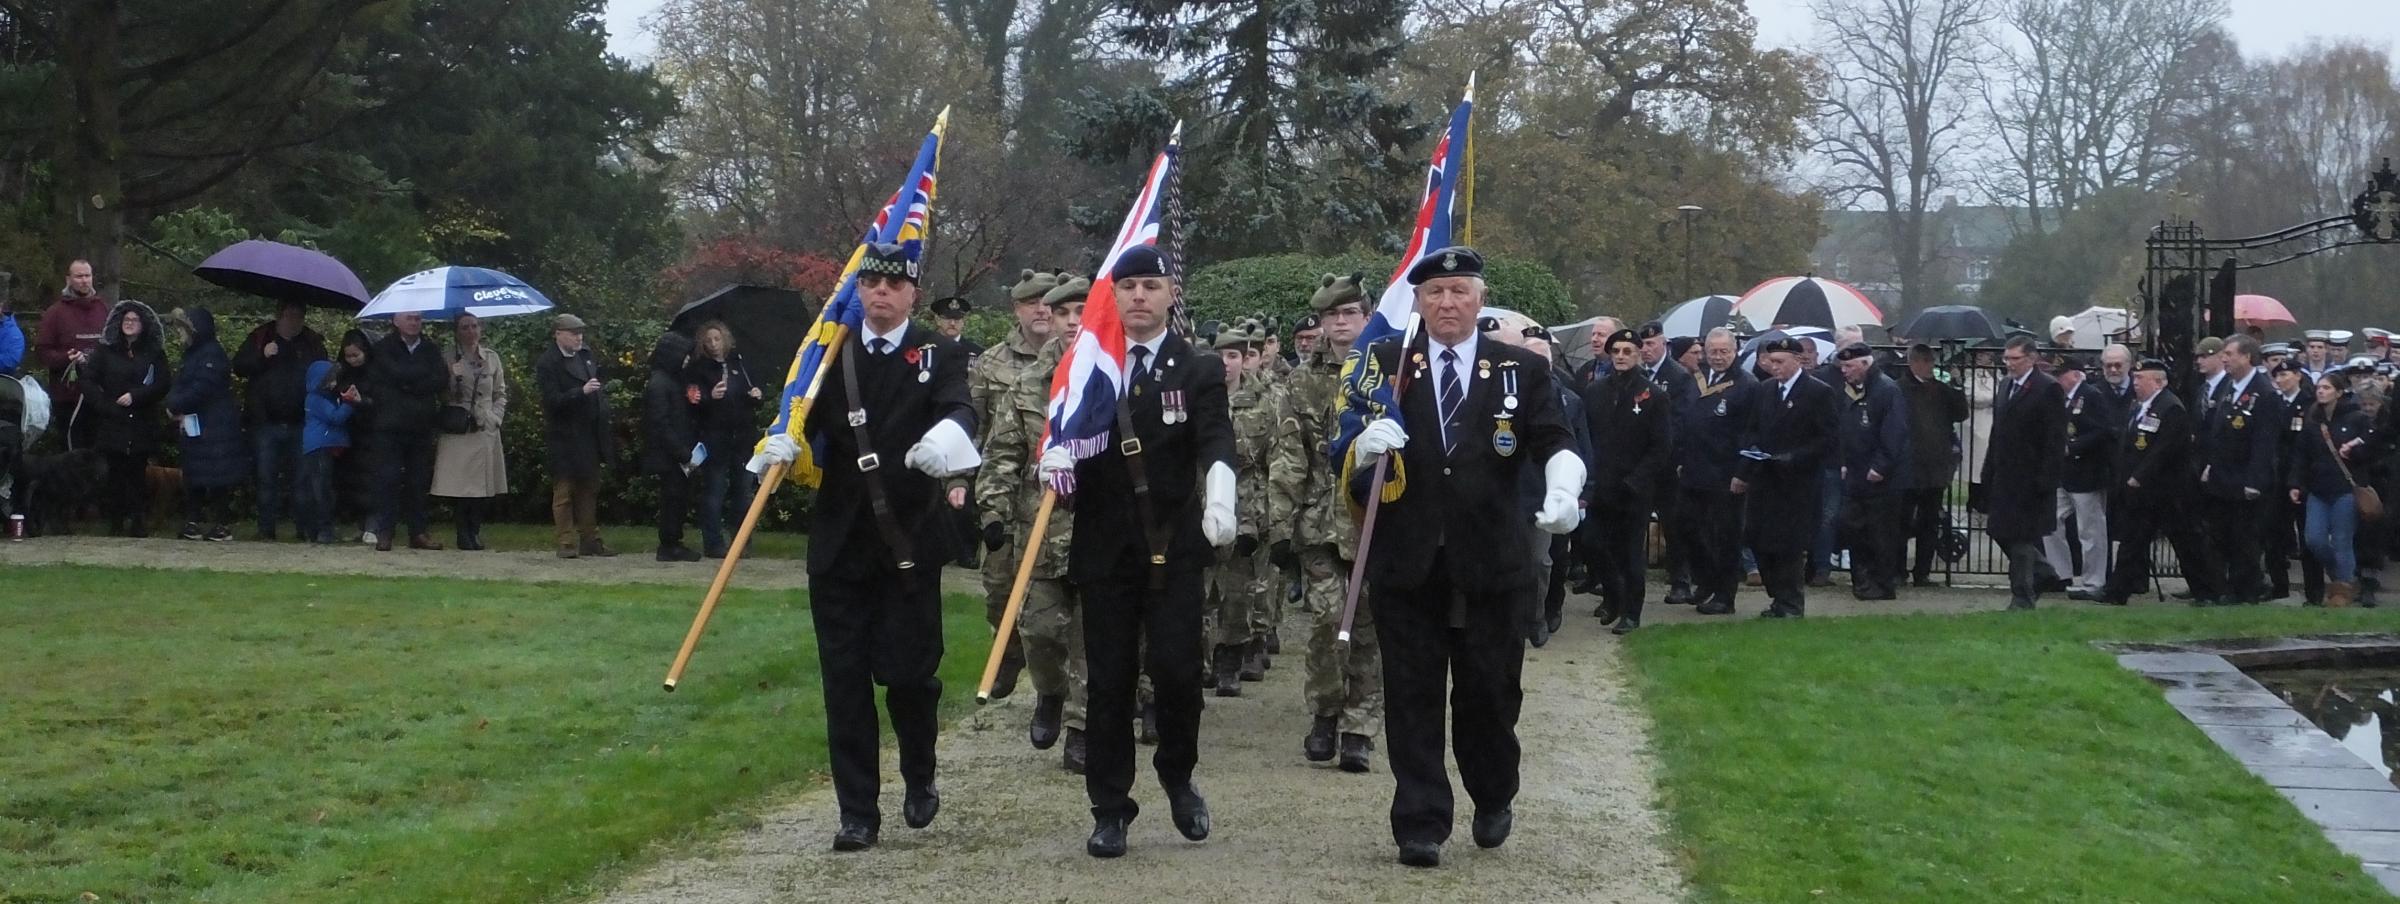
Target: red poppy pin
[[912, 355], [1644, 397]]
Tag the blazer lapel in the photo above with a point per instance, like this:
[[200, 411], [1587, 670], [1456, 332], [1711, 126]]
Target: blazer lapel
[[1471, 414]]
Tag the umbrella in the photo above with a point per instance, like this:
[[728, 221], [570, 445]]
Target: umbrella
[[1950, 321], [767, 325], [2096, 326], [1574, 341], [442, 293], [2260, 309], [1820, 344], [285, 273], [1806, 301], [1694, 318]]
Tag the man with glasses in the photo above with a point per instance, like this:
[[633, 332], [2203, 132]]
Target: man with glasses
[[2022, 468]]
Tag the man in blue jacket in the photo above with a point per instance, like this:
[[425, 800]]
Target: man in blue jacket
[[1711, 521], [1875, 452]]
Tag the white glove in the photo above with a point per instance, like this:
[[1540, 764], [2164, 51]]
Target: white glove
[[780, 449], [1217, 520], [1055, 461], [1562, 480], [1379, 437], [944, 450]]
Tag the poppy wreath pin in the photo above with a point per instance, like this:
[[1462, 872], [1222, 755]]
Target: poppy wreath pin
[[913, 355]]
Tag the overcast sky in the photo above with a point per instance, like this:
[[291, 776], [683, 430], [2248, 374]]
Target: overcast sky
[[2265, 27]]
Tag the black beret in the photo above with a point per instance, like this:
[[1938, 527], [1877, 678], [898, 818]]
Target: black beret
[[1653, 328], [889, 259], [1677, 346], [1456, 260], [1854, 351], [1782, 344], [1537, 331], [1139, 260], [1486, 324], [2153, 365], [1621, 336], [952, 307], [1307, 322], [2288, 366]]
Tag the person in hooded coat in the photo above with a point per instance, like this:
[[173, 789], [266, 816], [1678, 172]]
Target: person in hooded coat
[[216, 455], [670, 431], [353, 486], [125, 378], [324, 440]]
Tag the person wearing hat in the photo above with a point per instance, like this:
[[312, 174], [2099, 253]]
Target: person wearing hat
[[575, 433], [2022, 467], [1791, 431], [2208, 360], [1447, 569], [950, 320], [1935, 409], [2151, 481], [2316, 351], [1149, 510], [1711, 429], [1658, 360], [2062, 331], [1631, 450], [2279, 534], [892, 421], [1306, 333], [2379, 344], [2235, 448], [1875, 453], [1008, 488], [2083, 483], [1241, 610], [1342, 683], [992, 377]]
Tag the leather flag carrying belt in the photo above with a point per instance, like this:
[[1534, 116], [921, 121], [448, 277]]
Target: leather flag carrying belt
[[870, 468], [1130, 445]]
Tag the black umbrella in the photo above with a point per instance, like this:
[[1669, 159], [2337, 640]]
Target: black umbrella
[[768, 326], [1951, 321]]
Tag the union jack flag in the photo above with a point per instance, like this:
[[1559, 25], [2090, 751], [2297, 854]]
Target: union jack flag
[[1084, 389]]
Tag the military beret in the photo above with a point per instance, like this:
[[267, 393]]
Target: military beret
[[1621, 336], [1139, 260], [2210, 345], [1537, 331], [1234, 337], [1307, 322], [2152, 365], [1487, 323], [2287, 366], [1032, 286], [1676, 346], [1335, 291], [1854, 351], [1653, 328], [1073, 289], [951, 308], [1782, 344], [1456, 260], [889, 259]]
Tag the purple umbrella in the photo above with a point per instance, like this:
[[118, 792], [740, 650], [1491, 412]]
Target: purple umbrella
[[285, 273]]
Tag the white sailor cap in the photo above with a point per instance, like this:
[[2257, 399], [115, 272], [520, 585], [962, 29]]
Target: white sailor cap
[[2339, 337]]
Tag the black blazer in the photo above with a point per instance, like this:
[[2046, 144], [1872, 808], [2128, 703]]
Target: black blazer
[[2238, 439], [1800, 436], [1465, 499], [843, 537], [1629, 418], [2153, 452], [1711, 432], [2025, 459], [1109, 538], [1875, 438], [2093, 419]]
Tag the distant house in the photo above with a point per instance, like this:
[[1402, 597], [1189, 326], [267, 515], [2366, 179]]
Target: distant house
[[1965, 242]]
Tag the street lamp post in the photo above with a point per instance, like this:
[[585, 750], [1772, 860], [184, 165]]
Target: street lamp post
[[1688, 211]]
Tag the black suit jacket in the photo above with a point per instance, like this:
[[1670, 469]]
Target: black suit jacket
[[1629, 418], [2152, 453], [1464, 500], [2025, 459], [1109, 536], [1800, 435], [2238, 438], [843, 536], [2093, 419], [1711, 428]]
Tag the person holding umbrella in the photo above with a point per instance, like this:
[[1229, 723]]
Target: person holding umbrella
[[405, 377], [575, 427], [274, 360], [469, 464]]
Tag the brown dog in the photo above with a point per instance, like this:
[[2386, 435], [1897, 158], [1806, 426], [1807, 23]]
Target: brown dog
[[166, 497]]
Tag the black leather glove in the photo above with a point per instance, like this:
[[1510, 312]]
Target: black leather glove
[[994, 537], [1245, 546], [1281, 554]]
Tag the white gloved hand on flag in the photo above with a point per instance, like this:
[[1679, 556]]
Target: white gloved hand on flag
[[943, 451], [779, 449], [1562, 480], [1055, 461], [1382, 435], [1217, 519]]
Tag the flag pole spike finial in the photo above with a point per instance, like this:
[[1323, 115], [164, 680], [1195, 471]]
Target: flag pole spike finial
[[1176, 137], [1470, 85], [941, 122]]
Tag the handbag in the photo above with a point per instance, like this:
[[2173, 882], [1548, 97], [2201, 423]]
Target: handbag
[[2369, 502], [457, 419]]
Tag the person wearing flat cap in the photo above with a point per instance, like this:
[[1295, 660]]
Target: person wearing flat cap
[[2150, 484], [891, 423], [1629, 416], [1150, 510], [1447, 573], [991, 378], [575, 431], [1790, 435]]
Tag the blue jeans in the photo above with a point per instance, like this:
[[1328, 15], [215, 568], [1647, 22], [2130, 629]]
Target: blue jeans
[[276, 450], [2332, 534], [312, 499], [720, 476]]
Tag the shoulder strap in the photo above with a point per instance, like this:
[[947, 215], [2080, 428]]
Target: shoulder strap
[[2325, 430], [1129, 444], [870, 467]]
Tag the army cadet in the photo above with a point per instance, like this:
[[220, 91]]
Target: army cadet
[[892, 421], [1241, 584], [1875, 450], [2153, 478], [1628, 415], [1343, 681], [1447, 570], [2235, 448], [990, 380], [1149, 506], [1008, 489], [1788, 435], [1711, 516]]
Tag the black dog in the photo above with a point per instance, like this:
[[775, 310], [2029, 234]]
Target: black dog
[[57, 486]]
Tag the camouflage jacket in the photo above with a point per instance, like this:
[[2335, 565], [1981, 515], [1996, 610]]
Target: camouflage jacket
[[997, 372], [1008, 488], [1307, 488], [1257, 409]]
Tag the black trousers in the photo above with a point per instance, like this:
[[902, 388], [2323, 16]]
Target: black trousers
[[2138, 533], [2280, 538], [1124, 623], [674, 506], [207, 507], [404, 478], [471, 512], [1710, 524], [2232, 547], [1433, 637], [1554, 598], [1871, 528], [1921, 511], [874, 628], [1672, 557], [2024, 568], [126, 496], [1785, 577], [1624, 536]]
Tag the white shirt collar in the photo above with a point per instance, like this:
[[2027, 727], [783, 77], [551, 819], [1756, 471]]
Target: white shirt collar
[[2242, 385], [1155, 343], [1465, 350], [869, 335]]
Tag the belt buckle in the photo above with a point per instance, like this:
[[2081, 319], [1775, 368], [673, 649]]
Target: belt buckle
[[904, 566], [869, 462], [858, 417], [1159, 559], [1130, 447]]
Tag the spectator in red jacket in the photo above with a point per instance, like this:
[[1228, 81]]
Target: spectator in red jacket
[[71, 327]]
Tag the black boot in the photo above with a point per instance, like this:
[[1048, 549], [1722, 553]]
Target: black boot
[[1253, 660], [1011, 663], [1355, 748], [1047, 710], [1318, 746], [1149, 735], [1228, 671], [1073, 759]]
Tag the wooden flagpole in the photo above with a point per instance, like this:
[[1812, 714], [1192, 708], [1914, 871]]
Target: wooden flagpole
[[1007, 631]]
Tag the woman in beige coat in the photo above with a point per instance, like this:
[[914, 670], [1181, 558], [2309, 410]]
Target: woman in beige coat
[[470, 467]]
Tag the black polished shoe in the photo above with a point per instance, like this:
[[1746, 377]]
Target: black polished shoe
[[1355, 750], [1047, 710], [1190, 811], [1318, 746], [1538, 635], [854, 836], [2083, 596], [1716, 606], [1491, 829], [1679, 596], [1420, 854], [1149, 731], [919, 807], [1073, 759], [2056, 585], [1626, 625], [1108, 838], [1605, 613], [1554, 620]]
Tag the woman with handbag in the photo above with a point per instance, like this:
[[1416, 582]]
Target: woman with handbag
[[2335, 441], [469, 466]]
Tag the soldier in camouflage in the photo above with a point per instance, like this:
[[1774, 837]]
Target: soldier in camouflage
[[1240, 591], [1344, 681]]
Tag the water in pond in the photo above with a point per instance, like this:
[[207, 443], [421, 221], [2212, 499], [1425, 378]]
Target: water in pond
[[2359, 707]]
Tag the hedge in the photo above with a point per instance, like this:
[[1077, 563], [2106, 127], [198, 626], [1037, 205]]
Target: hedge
[[1280, 285]]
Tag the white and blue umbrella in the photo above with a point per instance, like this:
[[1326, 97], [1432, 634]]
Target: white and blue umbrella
[[443, 293]]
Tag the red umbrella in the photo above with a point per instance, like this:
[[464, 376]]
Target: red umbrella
[[2260, 309]]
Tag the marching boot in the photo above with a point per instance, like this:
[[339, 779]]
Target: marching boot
[[1274, 643], [1011, 664], [1190, 811], [1355, 749], [1253, 660], [2340, 594], [1228, 670], [1318, 746], [1108, 837], [1073, 759], [1047, 709], [1149, 735]]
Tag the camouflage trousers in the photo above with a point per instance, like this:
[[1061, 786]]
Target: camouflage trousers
[[1049, 633], [1241, 600], [1342, 680]]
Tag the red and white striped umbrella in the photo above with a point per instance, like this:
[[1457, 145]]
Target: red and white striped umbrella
[[1806, 301]]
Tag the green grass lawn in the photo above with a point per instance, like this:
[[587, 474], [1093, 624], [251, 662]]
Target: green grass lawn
[[1994, 757], [630, 540], [186, 736]]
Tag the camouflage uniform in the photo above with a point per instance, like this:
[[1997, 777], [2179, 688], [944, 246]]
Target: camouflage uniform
[[1010, 399], [1344, 682], [1241, 585]]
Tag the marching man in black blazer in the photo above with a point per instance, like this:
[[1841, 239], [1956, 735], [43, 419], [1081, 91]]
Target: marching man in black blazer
[[1790, 433], [2022, 465], [2083, 482], [2153, 478], [1447, 572], [2235, 448], [890, 423], [1630, 450], [1144, 526]]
